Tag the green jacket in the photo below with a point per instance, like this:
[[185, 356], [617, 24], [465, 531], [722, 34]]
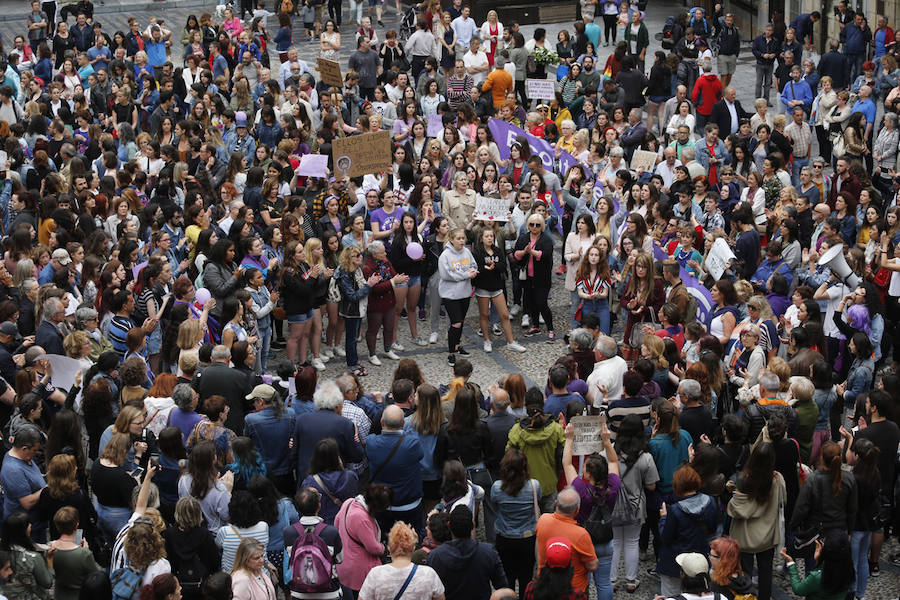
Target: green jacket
[[643, 37], [542, 446], [811, 587]]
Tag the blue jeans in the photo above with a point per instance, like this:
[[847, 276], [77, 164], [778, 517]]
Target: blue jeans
[[799, 163], [352, 327], [265, 340], [859, 550], [601, 575], [856, 63], [599, 307], [111, 519]]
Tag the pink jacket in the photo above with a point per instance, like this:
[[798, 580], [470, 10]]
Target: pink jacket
[[245, 587], [363, 551]]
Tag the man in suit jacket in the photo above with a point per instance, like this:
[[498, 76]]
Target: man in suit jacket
[[325, 422], [48, 335], [634, 134], [727, 113], [218, 379]]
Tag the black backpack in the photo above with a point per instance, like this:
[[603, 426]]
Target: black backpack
[[599, 521], [191, 574], [668, 37]]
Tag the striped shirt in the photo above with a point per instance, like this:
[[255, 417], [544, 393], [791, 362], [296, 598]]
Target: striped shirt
[[801, 136], [458, 90], [119, 327], [617, 410], [229, 537]]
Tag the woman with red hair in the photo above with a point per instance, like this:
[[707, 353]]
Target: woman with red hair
[[725, 573]]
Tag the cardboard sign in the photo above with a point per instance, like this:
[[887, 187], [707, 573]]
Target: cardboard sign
[[643, 160], [313, 165], [329, 71], [587, 435], [540, 89], [718, 258], [357, 155], [491, 209]]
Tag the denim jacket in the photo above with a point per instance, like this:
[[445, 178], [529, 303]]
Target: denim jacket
[[271, 437], [859, 379], [516, 515]]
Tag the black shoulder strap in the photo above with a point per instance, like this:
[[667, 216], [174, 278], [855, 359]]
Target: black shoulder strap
[[388, 459]]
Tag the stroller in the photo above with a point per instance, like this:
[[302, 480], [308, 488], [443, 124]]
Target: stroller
[[408, 23]]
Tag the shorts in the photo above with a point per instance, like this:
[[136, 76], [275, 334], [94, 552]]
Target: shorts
[[727, 64], [481, 293], [376, 2], [413, 282], [658, 99], [301, 318], [320, 12]]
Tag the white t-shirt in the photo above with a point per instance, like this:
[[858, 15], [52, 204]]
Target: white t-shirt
[[157, 568], [894, 287], [383, 583], [634, 34], [476, 60], [835, 294]]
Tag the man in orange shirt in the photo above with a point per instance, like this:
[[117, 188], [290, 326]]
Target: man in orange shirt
[[499, 82], [562, 524]]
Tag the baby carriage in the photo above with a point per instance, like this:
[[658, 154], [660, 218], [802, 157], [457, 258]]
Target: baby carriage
[[408, 23]]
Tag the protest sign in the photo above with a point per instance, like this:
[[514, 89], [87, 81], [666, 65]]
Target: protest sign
[[587, 435], [329, 71], [718, 258], [313, 165], [435, 125], [540, 89], [64, 370], [643, 160], [491, 209], [357, 155]]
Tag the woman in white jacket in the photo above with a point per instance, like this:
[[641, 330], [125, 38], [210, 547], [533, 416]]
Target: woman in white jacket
[[456, 269], [747, 358]]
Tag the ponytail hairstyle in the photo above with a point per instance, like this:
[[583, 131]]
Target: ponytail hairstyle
[[866, 467], [831, 457], [162, 586], [667, 422]]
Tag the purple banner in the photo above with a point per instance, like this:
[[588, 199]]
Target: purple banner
[[703, 296], [506, 133]]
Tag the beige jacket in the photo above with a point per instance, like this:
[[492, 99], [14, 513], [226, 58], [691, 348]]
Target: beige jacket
[[757, 527]]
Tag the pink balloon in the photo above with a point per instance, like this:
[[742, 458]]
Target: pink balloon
[[202, 296], [414, 250]]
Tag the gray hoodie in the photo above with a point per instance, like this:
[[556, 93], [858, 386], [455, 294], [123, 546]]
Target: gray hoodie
[[453, 267]]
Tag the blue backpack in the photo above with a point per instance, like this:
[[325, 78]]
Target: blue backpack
[[126, 582]]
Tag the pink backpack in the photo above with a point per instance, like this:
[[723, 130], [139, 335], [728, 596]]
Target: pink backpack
[[311, 561]]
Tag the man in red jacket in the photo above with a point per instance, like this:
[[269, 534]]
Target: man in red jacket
[[707, 91]]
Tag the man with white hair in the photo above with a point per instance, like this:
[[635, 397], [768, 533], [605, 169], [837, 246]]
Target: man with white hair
[[695, 417], [609, 369], [219, 379], [770, 402], [48, 335], [325, 422], [634, 134]]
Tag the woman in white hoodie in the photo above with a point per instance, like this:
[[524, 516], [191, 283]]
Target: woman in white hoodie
[[456, 269]]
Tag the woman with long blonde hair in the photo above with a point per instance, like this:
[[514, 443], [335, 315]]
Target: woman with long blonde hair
[[249, 580], [315, 258]]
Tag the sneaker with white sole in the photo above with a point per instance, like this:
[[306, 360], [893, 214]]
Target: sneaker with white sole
[[496, 330], [526, 321], [516, 346], [318, 364], [392, 355], [432, 339], [338, 351], [326, 354], [324, 357], [397, 347], [375, 360], [541, 319], [488, 347], [515, 310], [420, 342]]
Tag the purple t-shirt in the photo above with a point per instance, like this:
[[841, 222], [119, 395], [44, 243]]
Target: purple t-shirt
[[385, 221], [185, 421], [587, 493]]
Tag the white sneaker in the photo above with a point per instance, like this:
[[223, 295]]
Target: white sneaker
[[420, 342], [326, 354], [392, 355], [432, 339], [526, 321], [488, 347], [496, 330], [515, 310], [318, 364], [541, 319], [375, 360], [397, 347], [338, 351], [516, 346]]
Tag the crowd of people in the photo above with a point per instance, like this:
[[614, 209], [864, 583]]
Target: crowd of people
[[731, 314]]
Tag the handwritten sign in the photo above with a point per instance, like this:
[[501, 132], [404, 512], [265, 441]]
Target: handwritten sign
[[357, 155], [540, 89], [643, 160], [313, 165], [718, 258], [587, 435], [329, 71], [491, 209]]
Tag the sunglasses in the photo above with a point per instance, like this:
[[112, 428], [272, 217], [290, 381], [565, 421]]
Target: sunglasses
[[534, 224], [818, 166]]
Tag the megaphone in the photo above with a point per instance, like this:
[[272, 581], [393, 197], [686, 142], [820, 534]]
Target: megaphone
[[835, 261]]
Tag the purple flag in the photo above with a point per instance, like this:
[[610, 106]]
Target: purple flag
[[506, 133], [704, 299]]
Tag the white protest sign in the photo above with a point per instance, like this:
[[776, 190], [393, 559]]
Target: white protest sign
[[540, 89], [313, 165], [643, 160], [718, 258], [587, 435], [491, 209], [64, 370]]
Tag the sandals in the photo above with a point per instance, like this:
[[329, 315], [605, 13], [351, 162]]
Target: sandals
[[631, 585], [360, 371]]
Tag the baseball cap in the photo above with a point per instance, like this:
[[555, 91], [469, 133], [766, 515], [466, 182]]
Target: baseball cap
[[692, 564], [61, 256], [559, 553], [240, 119], [9, 328], [266, 392]]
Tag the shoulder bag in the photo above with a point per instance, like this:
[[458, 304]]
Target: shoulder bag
[[388, 459], [805, 536], [406, 583]]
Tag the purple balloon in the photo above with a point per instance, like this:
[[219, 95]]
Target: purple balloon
[[414, 250], [202, 296]]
